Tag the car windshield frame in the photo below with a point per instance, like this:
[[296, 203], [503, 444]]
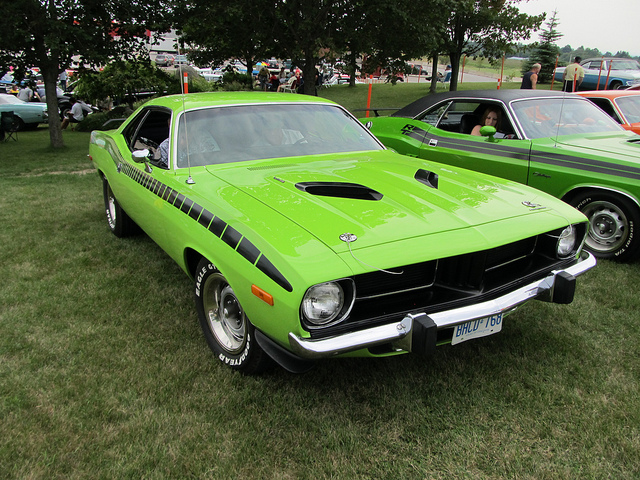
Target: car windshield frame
[[238, 133], [547, 117]]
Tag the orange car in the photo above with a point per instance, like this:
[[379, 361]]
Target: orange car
[[622, 105]]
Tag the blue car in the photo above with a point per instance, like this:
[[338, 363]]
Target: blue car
[[606, 73], [26, 114]]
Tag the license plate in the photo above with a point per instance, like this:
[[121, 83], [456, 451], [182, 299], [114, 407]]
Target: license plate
[[477, 328]]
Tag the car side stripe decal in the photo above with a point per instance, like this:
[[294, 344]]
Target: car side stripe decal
[[557, 159], [208, 220]]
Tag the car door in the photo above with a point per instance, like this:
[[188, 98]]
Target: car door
[[141, 180], [447, 139]]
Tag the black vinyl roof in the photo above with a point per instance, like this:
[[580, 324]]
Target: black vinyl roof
[[505, 96]]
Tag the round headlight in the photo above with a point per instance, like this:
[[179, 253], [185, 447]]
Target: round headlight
[[566, 242], [322, 303]]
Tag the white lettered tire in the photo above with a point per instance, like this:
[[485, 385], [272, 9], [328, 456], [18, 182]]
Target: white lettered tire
[[226, 328]]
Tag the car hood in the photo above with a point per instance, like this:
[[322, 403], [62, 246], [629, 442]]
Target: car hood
[[390, 203]]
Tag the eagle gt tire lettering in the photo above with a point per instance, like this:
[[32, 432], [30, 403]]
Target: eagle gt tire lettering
[[226, 328], [612, 224]]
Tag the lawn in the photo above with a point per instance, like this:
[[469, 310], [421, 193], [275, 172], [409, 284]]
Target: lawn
[[104, 372]]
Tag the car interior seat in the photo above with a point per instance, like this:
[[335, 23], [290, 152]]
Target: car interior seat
[[467, 122]]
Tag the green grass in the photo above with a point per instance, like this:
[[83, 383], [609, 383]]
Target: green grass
[[104, 372]]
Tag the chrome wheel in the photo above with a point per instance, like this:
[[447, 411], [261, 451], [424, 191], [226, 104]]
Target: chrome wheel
[[111, 209], [609, 227], [224, 314]]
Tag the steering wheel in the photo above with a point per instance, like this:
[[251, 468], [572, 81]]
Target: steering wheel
[[148, 142]]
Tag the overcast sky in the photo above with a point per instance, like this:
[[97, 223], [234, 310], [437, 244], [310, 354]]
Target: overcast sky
[[606, 25]]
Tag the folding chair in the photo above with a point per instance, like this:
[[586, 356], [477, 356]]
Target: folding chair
[[9, 125]]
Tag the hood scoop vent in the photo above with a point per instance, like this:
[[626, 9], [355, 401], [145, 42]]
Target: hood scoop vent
[[339, 190], [430, 179]]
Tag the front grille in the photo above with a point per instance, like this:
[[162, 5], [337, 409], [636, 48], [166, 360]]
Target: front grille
[[450, 282]]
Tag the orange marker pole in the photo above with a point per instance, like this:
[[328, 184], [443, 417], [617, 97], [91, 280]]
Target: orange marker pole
[[185, 83], [501, 72], [599, 73], [606, 83], [369, 96]]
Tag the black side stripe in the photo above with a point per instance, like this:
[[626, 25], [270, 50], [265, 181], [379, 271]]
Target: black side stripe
[[548, 158], [208, 220]]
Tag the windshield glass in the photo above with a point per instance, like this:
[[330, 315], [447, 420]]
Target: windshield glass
[[630, 107], [548, 117], [240, 133], [625, 65]]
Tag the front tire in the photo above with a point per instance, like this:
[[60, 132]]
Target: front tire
[[612, 223], [119, 222], [226, 328]]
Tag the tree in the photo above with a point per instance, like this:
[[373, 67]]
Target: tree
[[214, 32], [125, 80], [546, 51], [484, 26], [49, 34]]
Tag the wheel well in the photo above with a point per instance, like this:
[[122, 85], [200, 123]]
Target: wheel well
[[191, 259], [578, 191]]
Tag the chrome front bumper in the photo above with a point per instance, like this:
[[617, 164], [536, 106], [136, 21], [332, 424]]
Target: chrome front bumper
[[401, 333]]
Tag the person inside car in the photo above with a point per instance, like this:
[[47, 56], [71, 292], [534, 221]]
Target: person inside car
[[490, 118]]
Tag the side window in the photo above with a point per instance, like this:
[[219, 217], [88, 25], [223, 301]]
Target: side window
[[432, 115], [149, 129], [605, 105]]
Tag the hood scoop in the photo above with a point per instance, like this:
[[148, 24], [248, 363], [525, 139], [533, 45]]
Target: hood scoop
[[352, 191], [430, 179]]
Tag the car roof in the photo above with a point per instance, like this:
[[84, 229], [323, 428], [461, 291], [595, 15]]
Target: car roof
[[201, 100], [505, 96], [609, 93]]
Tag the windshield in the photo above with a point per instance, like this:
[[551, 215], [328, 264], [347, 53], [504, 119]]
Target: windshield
[[630, 107], [625, 65], [240, 133], [10, 99], [549, 117]]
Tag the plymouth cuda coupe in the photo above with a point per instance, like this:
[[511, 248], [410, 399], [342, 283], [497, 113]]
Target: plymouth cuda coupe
[[307, 239], [556, 142]]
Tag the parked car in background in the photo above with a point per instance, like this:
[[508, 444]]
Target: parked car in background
[[625, 72], [211, 74], [164, 60], [180, 60], [559, 143], [307, 239], [64, 102], [621, 105], [26, 114]]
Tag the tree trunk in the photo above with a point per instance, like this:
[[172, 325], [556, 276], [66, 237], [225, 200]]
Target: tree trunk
[[309, 74], [454, 58], [434, 74], [50, 76]]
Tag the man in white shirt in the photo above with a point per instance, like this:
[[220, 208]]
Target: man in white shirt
[[75, 115]]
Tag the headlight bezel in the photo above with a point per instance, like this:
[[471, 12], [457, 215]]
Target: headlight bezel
[[347, 287]]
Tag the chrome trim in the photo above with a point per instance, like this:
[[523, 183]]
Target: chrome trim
[[314, 349]]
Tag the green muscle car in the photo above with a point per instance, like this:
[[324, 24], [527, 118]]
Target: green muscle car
[[552, 141], [307, 239]]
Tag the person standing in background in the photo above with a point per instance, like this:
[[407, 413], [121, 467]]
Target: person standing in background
[[530, 79], [573, 76]]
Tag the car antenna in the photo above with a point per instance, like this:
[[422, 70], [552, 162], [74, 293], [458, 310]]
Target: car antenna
[[555, 140], [190, 180]]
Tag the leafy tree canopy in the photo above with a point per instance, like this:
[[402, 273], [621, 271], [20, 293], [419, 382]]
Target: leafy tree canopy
[[50, 34]]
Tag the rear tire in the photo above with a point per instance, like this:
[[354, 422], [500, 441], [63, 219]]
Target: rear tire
[[228, 331], [612, 223], [119, 222], [615, 85]]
